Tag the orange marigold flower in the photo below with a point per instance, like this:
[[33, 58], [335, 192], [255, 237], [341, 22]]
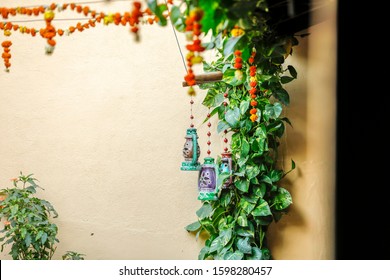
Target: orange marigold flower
[[237, 53], [252, 90], [238, 59], [86, 10], [253, 83], [251, 60], [238, 65], [253, 96], [134, 29], [137, 5], [79, 8], [253, 103], [51, 42], [253, 118], [253, 111]]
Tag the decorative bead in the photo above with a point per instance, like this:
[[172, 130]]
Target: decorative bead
[[208, 152], [225, 103], [209, 133], [225, 95], [208, 143], [208, 115], [192, 125], [225, 140], [192, 102], [226, 149], [225, 131], [209, 124], [191, 117]]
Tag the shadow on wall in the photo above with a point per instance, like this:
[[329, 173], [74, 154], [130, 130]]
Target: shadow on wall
[[293, 146]]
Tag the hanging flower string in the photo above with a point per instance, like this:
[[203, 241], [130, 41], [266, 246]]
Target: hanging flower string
[[133, 18], [193, 32], [6, 54], [253, 85]]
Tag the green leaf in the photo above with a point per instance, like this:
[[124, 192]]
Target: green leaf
[[244, 246], [273, 110], [158, 11], [233, 256], [193, 227], [27, 240], [245, 232], [231, 44], [262, 209], [292, 71], [14, 209], [265, 254], [232, 117], [244, 106], [203, 253], [209, 20], [242, 220], [282, 95], [286, 79], [215, 245], [266, 179], [205, 211], [246, 205], [244, 148], [222, 126], [241, 162], [261, 131], [44, 238], [226, 198], [242, 185], [225, 236], [282, 200], [275, 175], [259, 191], [23, 232], [233, 77], [252, 171], [175, 14], [256, 254], [213, 98]]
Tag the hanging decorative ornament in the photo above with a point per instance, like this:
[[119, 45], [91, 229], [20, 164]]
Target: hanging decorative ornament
[[226, 168], [207, 181], [191, 151]]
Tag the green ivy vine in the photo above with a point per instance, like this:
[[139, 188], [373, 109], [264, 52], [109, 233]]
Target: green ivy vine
[[237, 223]]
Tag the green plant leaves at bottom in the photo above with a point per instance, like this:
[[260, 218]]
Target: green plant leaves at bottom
[[237, 255], [242, 185], [203, 253], [244, 246]]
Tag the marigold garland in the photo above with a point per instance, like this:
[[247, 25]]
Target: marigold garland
[[193, 32], [133, 18], [253, 85], [6, 54]]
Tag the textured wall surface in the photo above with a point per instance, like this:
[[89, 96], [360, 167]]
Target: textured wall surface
[[101, 124]]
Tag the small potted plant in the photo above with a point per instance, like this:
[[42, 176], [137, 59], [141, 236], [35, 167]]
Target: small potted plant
[[27, 226]]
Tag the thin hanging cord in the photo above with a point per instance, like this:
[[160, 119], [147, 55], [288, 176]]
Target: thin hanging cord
[[177, 40]]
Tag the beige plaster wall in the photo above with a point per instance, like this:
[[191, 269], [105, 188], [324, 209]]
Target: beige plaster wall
[[101, 124]]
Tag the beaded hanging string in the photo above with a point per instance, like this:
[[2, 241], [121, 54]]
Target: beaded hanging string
[[208, 133], [225, 104]]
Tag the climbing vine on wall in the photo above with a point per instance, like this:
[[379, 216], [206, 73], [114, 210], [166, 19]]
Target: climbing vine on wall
[[248, 102]]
